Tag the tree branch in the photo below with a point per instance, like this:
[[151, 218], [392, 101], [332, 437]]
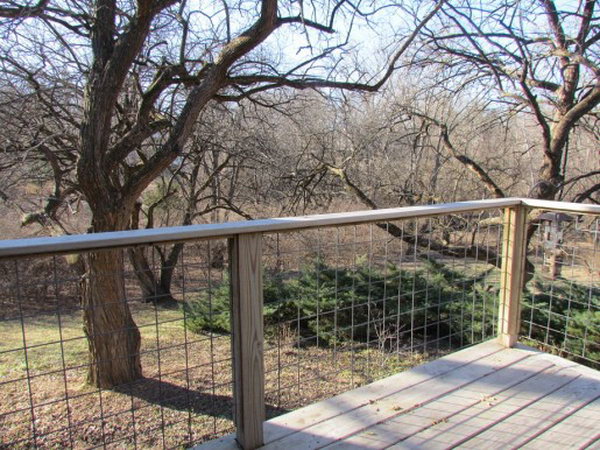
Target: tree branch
[[470, 251], [21, 12]]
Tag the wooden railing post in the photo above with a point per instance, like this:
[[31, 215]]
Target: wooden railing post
[[247, 338], [514, 252]]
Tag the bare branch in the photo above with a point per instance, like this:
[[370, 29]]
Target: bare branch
[[24, 11]]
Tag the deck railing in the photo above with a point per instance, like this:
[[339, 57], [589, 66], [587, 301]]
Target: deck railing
[[315, 306]]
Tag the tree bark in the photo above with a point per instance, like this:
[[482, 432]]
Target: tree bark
[[153, 290], [113, 337]]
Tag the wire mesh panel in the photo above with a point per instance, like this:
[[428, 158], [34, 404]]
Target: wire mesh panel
[[157, 378], [561, 305], [132, 347], [345, 306]]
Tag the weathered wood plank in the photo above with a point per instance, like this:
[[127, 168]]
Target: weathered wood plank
[[307, 416], [524, 426], [580, 429], [358, 419], [247, 338], [495, 425], [513, 429], [511, 278], [443, 409], [465, 408], [313, 414], [71, 243], [224, 443]]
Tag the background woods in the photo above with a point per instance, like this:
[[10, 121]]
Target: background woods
[[117, 88], [124, 115]]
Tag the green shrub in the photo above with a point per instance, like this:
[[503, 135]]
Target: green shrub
[[326, 305], [584, 336], [564, 315]]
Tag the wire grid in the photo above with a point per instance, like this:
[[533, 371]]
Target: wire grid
[[186, 394], [561, 303], [348, 305]]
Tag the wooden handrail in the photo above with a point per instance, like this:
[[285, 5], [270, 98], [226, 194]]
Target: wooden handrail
[[85, 242], [15, 248]]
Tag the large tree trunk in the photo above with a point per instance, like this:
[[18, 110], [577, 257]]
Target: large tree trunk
[[113, 337]]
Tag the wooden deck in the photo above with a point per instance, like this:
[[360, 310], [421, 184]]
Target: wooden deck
[[485, 396]]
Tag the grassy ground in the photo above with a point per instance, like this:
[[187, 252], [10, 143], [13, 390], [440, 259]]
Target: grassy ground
[[185, 396]]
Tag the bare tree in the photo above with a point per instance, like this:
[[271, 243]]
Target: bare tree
[[540, 57], [202, 183], [142, 72]]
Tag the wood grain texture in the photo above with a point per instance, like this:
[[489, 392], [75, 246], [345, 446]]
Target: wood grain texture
[[72, 243], [314, 414], [485, 396], [403, 400], [512, 276], [434, 423], [247, 338]]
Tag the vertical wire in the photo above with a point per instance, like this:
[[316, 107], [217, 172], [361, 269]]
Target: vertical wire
[[25, 352], [414, 284], [453, 304], [549, 312], [399, 294], [496, 299], [100, 398], [463, 297], [474, 288], [533, 294], [102, 421], [589, 308], [336, 306], [298, 336], [158, 356], [438, 331], [352, 310], [485, 281], [182, 257], [319, 262], [62, 350], [570, 295], [384, 302], [427, 286], [369, 300], [593, 272], [131, 398], [280, 326], [211, 336]]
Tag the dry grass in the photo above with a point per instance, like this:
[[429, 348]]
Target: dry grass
[[186, 395]]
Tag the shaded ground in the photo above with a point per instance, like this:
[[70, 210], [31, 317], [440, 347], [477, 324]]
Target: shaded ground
[[185, 397]]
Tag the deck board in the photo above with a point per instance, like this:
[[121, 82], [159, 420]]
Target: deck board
[[485, 396], [445, 413], [399, 402]]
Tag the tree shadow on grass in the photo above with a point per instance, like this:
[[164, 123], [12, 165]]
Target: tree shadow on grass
[[180, 398]]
